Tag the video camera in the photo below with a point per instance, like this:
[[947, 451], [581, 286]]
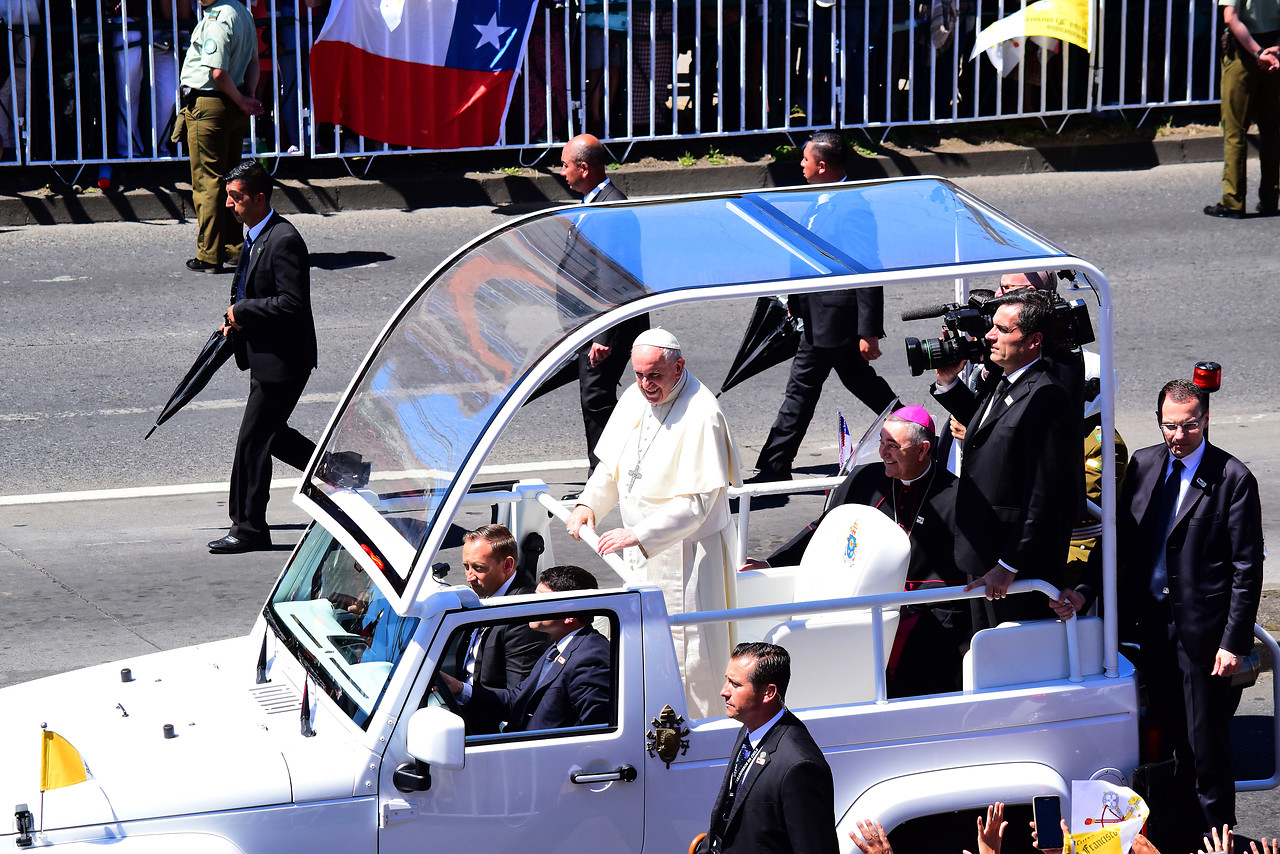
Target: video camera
[[966, 326]]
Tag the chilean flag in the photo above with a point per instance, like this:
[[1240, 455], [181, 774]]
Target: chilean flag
[[421, 73]]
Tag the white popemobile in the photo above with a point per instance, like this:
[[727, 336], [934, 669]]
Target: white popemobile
[[320, 731]]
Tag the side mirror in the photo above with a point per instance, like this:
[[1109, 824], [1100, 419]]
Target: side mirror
[[435, 736]]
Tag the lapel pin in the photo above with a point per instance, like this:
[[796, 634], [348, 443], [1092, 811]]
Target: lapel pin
[[762, 758], [1200, 482]]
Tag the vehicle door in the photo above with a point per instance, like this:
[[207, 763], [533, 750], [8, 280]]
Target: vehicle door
[[525, 791]]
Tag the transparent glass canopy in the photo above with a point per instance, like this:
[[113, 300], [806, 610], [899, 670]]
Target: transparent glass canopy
[[432, 386]]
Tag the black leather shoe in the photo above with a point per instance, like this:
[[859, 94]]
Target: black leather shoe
[[766, 476], [1267, 210], [1220, 210], [233, 545], [195, 265]]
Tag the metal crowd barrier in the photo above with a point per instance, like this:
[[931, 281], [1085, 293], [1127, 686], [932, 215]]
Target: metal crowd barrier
[[87, 83]]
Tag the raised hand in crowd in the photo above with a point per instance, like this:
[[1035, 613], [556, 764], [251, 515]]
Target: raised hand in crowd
[[991, 832], [874, 840], [1266, 849], [1226, 842]]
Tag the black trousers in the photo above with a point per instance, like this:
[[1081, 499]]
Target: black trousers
[[264, 433], [1193, 710], [598, 386], [809, 370]]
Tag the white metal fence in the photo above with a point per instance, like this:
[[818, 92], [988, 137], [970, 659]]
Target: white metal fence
[[96, 83]]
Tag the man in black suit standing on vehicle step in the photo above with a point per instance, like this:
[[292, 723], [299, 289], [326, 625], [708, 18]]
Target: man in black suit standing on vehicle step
[[275, 340], [777, 796], [1189, 529], [600, 369]]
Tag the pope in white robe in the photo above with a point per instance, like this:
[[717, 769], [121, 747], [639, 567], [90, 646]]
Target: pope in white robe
[[667, 459]]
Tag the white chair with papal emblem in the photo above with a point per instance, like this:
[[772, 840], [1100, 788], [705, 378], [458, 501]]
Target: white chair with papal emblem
[[856, 551]]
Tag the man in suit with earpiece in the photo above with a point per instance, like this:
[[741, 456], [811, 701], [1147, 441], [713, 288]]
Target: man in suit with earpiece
[[778, 796]]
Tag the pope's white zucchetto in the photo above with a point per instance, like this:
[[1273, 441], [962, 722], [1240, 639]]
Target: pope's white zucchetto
[[656, 337]]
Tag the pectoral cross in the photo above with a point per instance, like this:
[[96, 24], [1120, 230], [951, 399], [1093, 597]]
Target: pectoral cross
[[635, 475]]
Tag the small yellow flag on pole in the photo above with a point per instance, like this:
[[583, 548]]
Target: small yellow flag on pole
[[60, 763]]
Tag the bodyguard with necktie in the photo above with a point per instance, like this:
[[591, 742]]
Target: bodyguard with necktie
[[572, 684], [777, 794], [496, 656], [583, 162], [841, 329], [275, 340], [1189, 529]]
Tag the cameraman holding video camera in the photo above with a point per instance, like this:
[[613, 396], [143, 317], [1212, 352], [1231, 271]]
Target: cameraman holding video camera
[[1021, 446]]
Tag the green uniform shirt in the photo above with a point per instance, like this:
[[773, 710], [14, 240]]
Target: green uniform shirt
[[225, 38], [1260, 16]]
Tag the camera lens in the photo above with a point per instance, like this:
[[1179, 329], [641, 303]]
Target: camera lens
[[926, 355], [934, 353]]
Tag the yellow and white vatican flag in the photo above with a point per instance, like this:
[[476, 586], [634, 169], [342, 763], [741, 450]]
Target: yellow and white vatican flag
[[1105, 817], [1067, 20], [60, 763]]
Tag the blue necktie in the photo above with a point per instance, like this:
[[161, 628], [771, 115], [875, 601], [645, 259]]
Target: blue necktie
[[547, 662], [1164, 524], [242, 267]]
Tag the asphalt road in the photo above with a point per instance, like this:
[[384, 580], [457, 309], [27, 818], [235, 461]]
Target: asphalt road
[[99, 321]]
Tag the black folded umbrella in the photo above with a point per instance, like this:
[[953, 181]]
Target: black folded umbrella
[[772, 338], [213, 355]]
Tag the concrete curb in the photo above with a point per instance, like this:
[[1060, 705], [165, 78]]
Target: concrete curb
[[406, 190]]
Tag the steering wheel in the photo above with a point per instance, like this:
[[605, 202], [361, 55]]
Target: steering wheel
[[442, 695]]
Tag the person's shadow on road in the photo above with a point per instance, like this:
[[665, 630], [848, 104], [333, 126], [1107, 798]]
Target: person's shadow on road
[[347, 260]]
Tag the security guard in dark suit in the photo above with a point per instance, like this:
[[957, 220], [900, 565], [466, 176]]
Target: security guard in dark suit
[[778, 796], [1189, 531], [270, 319], [600, 368], [501, 656], [842, 329]]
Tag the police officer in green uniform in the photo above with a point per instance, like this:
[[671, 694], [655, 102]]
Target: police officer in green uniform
[[1250, 92], [221, 66]]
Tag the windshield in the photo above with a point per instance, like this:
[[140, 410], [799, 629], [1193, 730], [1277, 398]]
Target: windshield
[[487, 319], [332, 617]]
